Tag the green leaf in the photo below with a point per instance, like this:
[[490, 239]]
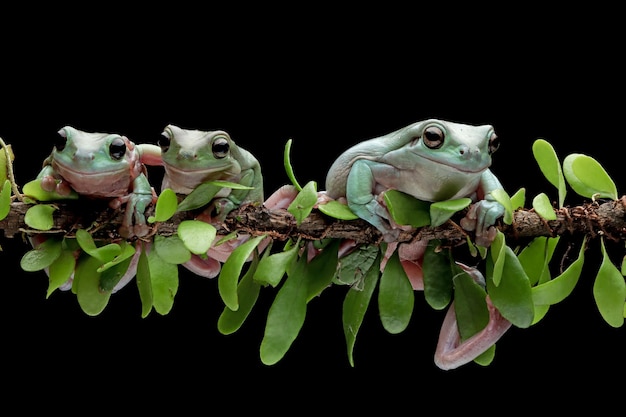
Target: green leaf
[[196, 235], [230, 184], [114, 271], [588, 178], [272, 268], [437, 275], [91, 298], [286, 315], [550, 166], [558, 288], [512, 297], [609, 291], [33, 190], [127, 251], [199, 197], [470, 305], [231, 270], [171, 249], [42, 256], [302, 205], [337, 210], [40, 216], [288, 167], [4, 168], [166, 206], [352, 267], [144, 284], [518, 199], [536, 256], [5, 198], [103, 253], [355, 306], [247, 291], [406, 209], [164, 282], [321, 269], [395, 296], [441, 211], [543, 206], [497, 250], [60, 270], [503, 198]]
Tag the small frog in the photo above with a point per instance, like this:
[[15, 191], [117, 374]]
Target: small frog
[[103, 166], [193, 157], [432, 160]]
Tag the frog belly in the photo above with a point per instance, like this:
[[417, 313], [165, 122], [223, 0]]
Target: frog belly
[[437, 185]]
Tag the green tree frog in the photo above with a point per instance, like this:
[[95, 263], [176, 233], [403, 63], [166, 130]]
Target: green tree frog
[[103, 166], [192, 157], [432, 160]]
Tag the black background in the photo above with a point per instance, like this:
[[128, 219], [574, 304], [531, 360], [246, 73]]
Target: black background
[[326, 87]]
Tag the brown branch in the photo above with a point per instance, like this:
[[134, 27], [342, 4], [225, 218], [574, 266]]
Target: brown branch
[[592, 219]]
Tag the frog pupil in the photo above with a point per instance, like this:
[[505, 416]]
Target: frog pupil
[[220, 148], [117, 149], [59, 143]]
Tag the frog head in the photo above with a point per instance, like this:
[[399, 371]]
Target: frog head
[[191, 157], [95, 164]]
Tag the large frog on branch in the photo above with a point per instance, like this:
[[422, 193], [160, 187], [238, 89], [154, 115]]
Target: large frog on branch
[[103, 166], [193, 157], [433, 160]]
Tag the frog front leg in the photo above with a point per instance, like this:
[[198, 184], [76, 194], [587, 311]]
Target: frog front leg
[[362, 199], [483, 214], [134, 220], [220, 207]]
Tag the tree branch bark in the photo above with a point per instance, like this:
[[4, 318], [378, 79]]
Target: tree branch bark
[[592, 219]]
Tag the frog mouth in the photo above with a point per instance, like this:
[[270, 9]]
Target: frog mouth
[[463, 170], [203, 173]]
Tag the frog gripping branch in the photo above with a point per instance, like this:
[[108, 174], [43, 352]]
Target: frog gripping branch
[[396, 214]]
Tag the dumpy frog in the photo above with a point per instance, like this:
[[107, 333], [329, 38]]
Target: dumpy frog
[[103, 166], [192, 157]]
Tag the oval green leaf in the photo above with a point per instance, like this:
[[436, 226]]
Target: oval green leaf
[[42, 256], [166, 206], [272, 268], [172, 249], [543, 207], [550, 166], [91, 298], [196, 235], [60, 270], [512, 297], [231, 270], [395, 296], [304, 202], [503, 198], [200, 196], [588, 178], [5, 199], [609, 291], [337, 210], [164, 282], [355, 306], [441, 211], [40, 217], [406, 209], [247, 291], [33, 189], [437, 274]]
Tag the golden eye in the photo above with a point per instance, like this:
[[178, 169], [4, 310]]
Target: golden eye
[[117, 148], [220, 148], [494, 143], [433, 137]]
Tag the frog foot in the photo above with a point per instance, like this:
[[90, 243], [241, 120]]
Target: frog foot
[[451, 353], [481, 218], [54, 185], [134, 222], [219, 209]]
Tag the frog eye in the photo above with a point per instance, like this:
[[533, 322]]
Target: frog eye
[[164, 143], [220, 148], [433, 137], [60, 142], [494, 143], [117, 148]]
